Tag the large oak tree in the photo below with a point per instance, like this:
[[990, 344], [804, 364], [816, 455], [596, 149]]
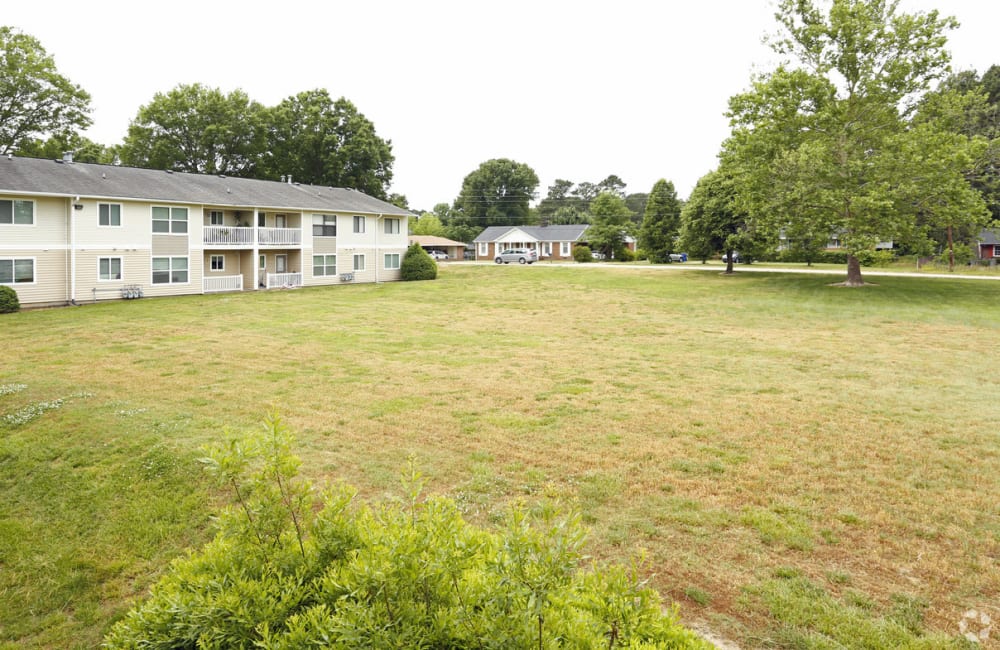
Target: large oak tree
[[828, 138]]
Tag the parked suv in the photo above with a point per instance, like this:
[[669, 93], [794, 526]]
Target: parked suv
[[519, 255], [438, 256]]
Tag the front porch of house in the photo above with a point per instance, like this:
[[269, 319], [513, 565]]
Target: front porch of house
[[237, 270]]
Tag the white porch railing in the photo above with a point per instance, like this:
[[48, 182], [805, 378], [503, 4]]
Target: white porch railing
[[279, 236], [228, 235], [283, 280], [222, 283]]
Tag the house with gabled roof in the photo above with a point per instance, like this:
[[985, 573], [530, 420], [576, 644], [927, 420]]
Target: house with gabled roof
[[78, 232], [550, 242], [988, 245]]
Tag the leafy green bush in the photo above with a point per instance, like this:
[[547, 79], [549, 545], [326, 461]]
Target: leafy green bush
[[625, 255], [582, 254], [417, 264], [292, 569], [8, 301], [875, 258]]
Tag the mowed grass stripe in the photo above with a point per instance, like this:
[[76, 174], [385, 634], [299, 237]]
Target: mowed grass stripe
[[737, 428]]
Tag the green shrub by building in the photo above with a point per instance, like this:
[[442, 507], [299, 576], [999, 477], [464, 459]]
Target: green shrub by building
[[582, 254], [292, 569], [8, 301], [418, 265]]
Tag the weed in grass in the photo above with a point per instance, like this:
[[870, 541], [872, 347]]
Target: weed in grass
[[780, 526], [697, 595], [10, 389]]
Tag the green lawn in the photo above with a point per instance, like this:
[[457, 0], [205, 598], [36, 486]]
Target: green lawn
[[802, 465]]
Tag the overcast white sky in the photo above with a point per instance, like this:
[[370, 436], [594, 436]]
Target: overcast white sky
[[577, 90]]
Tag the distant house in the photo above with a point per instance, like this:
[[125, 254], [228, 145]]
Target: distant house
[[550, 242], [455, 250], [988, 246], [73, 232]]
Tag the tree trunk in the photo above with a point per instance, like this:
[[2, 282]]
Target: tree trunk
[[951, 251], [854, 278], [729, 262]]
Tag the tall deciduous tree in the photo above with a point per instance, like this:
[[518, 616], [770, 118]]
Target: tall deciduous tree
[[35, 100], [496, 194], [428, 224], [84, 149], [197, 129], [610, 225], [319, 141], [711, 221], [829, 139], [661, 222]]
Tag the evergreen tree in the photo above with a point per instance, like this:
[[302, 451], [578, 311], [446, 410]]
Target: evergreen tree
[[661, 222]]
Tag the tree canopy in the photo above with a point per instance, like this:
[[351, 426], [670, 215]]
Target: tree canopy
[[829, 140], [498, 193], [35, 100], [193, 128], [610, 225], [661, 222]]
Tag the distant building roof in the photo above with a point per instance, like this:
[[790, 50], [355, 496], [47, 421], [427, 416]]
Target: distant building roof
[[55, 177], [571, 232], [989, 237], [431, 240]]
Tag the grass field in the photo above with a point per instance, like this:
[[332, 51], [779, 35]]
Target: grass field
[[804, 466]]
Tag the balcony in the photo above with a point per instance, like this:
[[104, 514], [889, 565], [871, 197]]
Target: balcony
[[280, 280], [240, 236], [215, 284]]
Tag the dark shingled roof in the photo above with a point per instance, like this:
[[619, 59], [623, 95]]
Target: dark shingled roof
[[989, 237], [44, 176], [541, 233]]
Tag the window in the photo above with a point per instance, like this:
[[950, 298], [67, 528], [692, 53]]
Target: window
[[281, 264], [170, 270], [216, 218], [564, 248], [279, 221], [217, 262], [109, 268], [260, 220], [391, 261], [484, 248], [324, 265], [170, 220], [359, 262], [547, 249], [392, 226], [109, 214], [996, 251], [18, 213], [359, 224], [263, 263], [17, 270], [324, 225]]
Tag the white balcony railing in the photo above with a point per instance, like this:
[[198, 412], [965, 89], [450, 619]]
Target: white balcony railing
[[228, 236], [276, 280], [218, 283], [279, 236]]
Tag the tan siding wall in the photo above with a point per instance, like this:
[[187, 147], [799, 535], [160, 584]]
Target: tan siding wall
[[345, 264], [308, 279], [389, 275], [48, 229], [135, 270], [231, 262], [324, 246], [164, 245], [51, 282], [193, 285]]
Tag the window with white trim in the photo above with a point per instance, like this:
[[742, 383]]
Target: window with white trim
[[17, 213], [262, 265], [392, 226], [170, 220], [17, 270], [324, 265], [170, 270], [996, 251], [109, 268], [564, 248], [359, 224], [547, 249], [359, 262], [484, 248], [109, 215], [217, 262], [324, 225], [391, 261], [216, 218]]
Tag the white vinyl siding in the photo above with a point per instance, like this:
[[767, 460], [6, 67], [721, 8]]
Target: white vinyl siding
[[391, 261], [109, 268], [17, 270], [17, 213], [170, 220], [170, 270], [109, 215]]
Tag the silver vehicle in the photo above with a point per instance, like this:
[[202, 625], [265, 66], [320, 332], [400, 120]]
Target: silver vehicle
[[438, 256], [519, 255]]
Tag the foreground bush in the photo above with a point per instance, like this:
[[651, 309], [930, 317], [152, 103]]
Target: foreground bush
[[291, 569], [417, 264], [8, 301], [582, 254]]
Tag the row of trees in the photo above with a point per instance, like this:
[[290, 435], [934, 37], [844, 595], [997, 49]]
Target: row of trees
[[309, 137], [846, 138]]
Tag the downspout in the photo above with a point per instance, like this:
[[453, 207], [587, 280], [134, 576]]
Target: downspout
[[379, 217], [72, 253]]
